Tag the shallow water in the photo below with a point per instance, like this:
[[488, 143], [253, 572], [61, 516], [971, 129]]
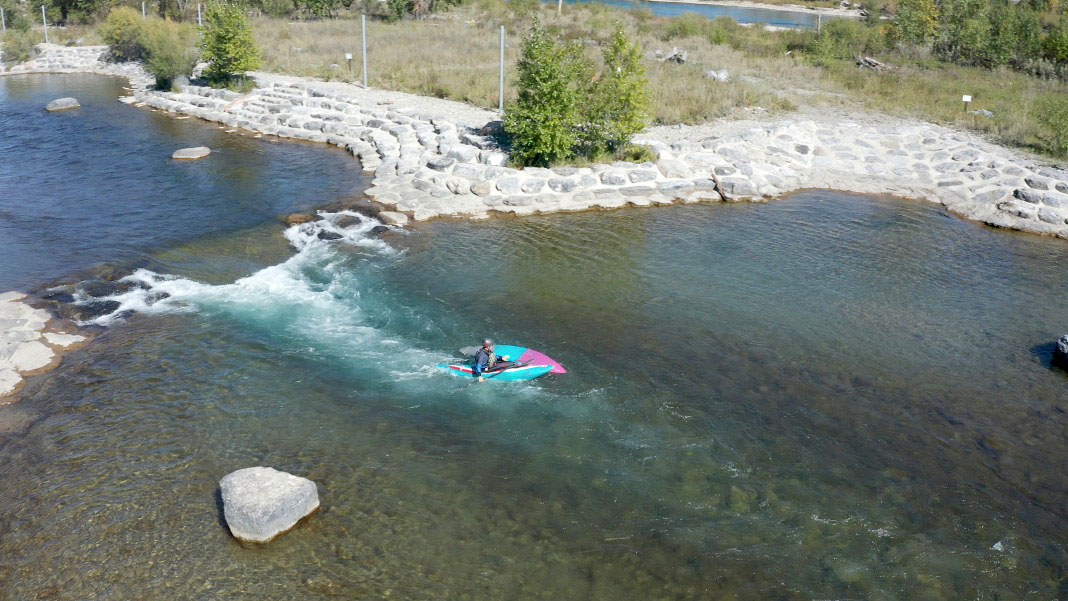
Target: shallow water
[[769, 16], [828, 396]]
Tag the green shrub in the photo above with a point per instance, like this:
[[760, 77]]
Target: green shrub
[[916, 21], [398, 9], [170, 49], [16, 15], [20, 46], [619, 102], [1055, 44], [542, 121], [1051, 113], [688, 25], [227, 44], [124, 32]]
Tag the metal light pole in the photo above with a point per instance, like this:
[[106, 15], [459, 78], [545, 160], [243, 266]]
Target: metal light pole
[[200, 22], [500, 105], [142, 10], [3, 19], [44, 20], [363, 27]]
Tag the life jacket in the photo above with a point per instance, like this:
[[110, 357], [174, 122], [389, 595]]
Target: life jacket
[[491, 357]]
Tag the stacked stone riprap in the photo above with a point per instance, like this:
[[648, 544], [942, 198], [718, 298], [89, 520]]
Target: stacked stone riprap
[[427, 166], [26, 344]]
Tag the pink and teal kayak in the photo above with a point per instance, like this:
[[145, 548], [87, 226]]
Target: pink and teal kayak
[[532, 364]]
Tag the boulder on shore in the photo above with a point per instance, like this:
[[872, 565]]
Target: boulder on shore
[[393, 218], [197, 152], [259, 503], [62, 104]]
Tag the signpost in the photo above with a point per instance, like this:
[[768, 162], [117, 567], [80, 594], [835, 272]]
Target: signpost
[[966, 98], [348, 59]]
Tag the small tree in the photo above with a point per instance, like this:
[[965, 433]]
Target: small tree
[[171, 51], [543, 121], [620, 100], [1051, 111], [916, 21], [227, 43]]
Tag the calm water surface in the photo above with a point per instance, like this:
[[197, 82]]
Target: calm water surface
[[769, 16], [824, 397]]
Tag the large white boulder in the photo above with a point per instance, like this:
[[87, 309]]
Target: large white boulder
[[259, 503], [62, 104]]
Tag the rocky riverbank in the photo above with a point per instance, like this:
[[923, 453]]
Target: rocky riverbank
[[429, 163], [30, 342]]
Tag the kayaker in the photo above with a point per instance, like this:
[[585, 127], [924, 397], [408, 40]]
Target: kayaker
[[486, 359]]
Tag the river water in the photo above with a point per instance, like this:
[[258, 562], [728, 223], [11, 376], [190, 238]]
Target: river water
[[825, 397], [741, 14]]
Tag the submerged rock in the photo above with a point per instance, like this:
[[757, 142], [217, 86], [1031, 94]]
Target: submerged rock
[[378, 229], [197, 152], [62, 104], [347, 221], [259, 503], [299, 218], [325, 235]]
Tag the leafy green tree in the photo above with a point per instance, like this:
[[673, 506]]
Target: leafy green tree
[[227, 43], [620, 101], [1003, 36], [916, 21], [542, 121], [1055, 44], [398, 9], [171, 51], [124, 32], [16, 15]]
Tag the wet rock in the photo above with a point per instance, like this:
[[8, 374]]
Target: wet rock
[[62, 104], [299, 218], [1060, 354], [99, 288], [378, 229], [393, 218], [347, 221], [59, 297], [96, 308], [259, 503], [328, 235], [197, 152]]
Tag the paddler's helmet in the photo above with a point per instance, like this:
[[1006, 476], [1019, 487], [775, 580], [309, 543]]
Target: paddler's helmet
[[487, 342]]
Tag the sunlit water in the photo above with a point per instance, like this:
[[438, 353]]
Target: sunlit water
[[741, 14], [824, 397]]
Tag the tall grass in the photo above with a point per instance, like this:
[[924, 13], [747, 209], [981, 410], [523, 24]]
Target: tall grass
[[455, 55]]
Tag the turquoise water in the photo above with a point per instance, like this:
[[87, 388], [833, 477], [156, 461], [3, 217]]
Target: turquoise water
[[768, 16], [825, 397]]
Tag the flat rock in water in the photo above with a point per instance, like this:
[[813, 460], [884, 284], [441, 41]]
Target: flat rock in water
[[197, 152], [259, 503], [62, 104], [393, 218]]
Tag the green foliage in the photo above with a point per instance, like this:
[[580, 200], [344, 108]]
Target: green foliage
[[618, 103], [1055, 44], [16, 14], [688, 25], [124, 32], [170, 49], [227, 44], [19, 46], [1051, 113], [916, 21], [277, 8], [542, 121], [398, 9], [843, 39]]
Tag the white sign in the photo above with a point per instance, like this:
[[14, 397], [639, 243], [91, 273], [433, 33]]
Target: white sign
[[348, 57], [967, 98]]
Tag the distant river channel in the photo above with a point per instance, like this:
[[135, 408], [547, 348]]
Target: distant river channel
[[741, 14], [827, 396]]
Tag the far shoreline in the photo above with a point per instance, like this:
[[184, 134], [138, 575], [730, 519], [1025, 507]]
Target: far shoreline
[[791, 8]]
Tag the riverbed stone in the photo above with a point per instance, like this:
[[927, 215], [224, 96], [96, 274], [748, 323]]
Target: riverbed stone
[[481, 188], [62, 104], [1038, 183], [197, 152], [1049, 215], [613, 178], [259, 503], [1060, 353]]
